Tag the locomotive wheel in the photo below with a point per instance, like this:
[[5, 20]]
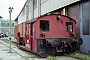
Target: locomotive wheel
[[18, 45], [43, 55], [80, 41]]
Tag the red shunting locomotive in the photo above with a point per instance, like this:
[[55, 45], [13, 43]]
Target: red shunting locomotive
[[49, 34]]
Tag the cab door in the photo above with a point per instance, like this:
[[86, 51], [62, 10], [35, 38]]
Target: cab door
[[28, 36]]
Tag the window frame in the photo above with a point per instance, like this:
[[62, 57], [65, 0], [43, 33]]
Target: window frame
[[68, 24], [47, 25]]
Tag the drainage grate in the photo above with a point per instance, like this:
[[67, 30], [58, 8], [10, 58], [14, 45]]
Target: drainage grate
[[5, 50], [1, 59]]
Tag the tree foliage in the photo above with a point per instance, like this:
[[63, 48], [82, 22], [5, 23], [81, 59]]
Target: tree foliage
[[7, 22]]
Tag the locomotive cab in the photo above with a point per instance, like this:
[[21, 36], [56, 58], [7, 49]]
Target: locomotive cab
[[57, 35]]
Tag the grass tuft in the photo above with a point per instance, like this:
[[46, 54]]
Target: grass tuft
[[78, 56], [31, 56], [51, 57]]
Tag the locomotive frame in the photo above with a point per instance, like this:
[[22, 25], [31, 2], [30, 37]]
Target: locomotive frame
[[49, 35]]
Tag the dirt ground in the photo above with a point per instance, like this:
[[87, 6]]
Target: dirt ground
[[19, 54]]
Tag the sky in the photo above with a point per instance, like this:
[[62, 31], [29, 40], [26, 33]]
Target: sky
[[16, 4]]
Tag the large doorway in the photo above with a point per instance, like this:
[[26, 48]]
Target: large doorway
[[85, 26]]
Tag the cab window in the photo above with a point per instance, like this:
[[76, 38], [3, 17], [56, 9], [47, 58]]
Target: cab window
[[44, 25], [69, 26], [27, 29]]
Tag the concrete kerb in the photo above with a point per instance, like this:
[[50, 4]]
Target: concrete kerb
[[7, 45]]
